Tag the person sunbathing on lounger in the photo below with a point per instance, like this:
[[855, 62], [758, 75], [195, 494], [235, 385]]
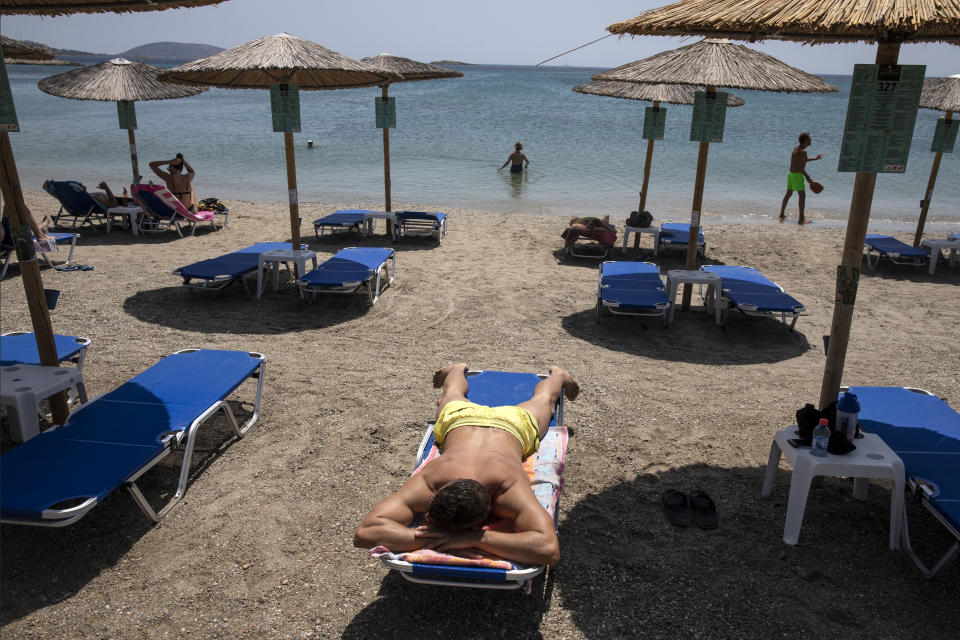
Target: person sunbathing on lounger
[[479, 474], [591, 223]]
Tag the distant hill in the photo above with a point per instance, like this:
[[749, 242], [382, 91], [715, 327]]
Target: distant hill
[[170, 51], [443, 62]]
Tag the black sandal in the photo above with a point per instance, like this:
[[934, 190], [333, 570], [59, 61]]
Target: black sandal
[[704, 510], [675, 506]]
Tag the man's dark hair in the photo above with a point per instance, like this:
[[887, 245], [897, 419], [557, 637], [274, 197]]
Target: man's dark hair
[[804, 137], [461, 504]]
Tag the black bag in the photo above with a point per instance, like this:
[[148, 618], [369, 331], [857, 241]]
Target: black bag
[[638, 219]]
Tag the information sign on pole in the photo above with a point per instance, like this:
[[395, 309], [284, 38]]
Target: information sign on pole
[[127, 114], [8, 115], [881, 114], [285, 107], [654, 122], [945, 136], [386, 113], [709, 116]]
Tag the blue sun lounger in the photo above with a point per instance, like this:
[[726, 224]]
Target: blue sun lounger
[[431, 224], [631, 288], [216, 273], [750, 292], [925, 432], [341, 220], [497, 388], [20, 347], [898, 252], [677, 235], [58, 476], [7, 251], [77, 205], [349, 270]]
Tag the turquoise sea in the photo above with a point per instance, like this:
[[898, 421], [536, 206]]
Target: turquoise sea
[[586, 152]]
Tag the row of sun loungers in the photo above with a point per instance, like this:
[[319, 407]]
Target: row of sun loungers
[[432, 224]]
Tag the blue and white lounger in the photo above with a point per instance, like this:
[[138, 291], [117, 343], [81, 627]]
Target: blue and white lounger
[[677, 235], [344, 219], [7, 251], [216, 273], [349, 270], [57, 477], [925, 432], [881, 246], [631, 288], [431, 224], [545, 470], [20, 347], [749, 291]]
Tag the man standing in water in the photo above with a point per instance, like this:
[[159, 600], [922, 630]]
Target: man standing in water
[[798, 172]]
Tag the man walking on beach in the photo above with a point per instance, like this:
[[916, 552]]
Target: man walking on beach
[[798, 172], [479, 473]]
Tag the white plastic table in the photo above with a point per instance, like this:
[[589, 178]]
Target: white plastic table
[[871, 459], [23, 386], [676, 277], [654, 231], [274, 258], [936, 245], [131, 212], [370, 217]]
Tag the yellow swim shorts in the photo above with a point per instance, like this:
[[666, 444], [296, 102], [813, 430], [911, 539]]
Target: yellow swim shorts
[[519, 422]]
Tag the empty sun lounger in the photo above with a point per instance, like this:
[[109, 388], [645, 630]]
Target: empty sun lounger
[[57, 477], [342, 220], [20, 347], [925, 432], [432, 224], [881, 246], [349, 270], [544, 469], [631, 288], [677, 235], [750, 292], [214, 274]]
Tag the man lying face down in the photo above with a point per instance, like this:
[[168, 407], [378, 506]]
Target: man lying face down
[[479, 474]]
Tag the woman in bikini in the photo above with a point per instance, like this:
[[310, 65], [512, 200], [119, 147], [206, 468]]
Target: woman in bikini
[[516, 160], [179, 183]]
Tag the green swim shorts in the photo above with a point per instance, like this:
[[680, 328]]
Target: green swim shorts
[[795, 181]]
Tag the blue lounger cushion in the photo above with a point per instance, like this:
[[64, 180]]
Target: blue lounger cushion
[[678, 233], [889, 244], [746, 287], [21, 348], [354, 265], [342, 218], [230, 265], [434, 216], [631, 288]]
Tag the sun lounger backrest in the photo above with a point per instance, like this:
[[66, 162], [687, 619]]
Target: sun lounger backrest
[[74, 197], [157, 199], [500, 388]]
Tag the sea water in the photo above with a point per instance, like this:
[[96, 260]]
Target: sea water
[[586, 152]]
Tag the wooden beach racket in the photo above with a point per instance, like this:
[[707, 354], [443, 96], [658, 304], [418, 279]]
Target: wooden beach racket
[[815, 186]]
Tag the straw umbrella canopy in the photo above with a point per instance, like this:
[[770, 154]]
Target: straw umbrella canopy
[[280, 60], [714, 63], [120, 81], [887, 23], [409, 71], [16, 50], [655, 93], [10, 179], [939, 94]]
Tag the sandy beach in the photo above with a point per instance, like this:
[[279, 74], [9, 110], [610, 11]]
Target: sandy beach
[[261, 545]]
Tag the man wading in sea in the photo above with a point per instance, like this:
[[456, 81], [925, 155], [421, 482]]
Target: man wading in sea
[[798, 172]]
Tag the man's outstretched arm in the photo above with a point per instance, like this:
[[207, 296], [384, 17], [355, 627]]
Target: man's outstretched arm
[[387, 524]]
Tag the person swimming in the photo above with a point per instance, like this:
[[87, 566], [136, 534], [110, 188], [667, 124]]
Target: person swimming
[[516, 160]]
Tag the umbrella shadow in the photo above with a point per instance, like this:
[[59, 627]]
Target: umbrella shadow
[[44, 566], [905, 273], [408, 609], [343, 239], [693, 337], [624, 567], [232, 311]]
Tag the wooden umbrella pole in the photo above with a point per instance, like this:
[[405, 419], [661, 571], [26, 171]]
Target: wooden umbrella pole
[[133, 156], [695, 214], [292, 190], [934, 170], [848, 273], [386, 164], [30, 272], [646, 181]]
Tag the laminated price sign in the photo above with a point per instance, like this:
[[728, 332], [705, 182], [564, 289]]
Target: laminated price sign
[[654, 122], [8, 115], [881, 114], [709, 116], [386, 113], [127, 114], [945, 136], [285, 107]]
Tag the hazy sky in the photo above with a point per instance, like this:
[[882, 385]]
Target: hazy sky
[[491, 32]]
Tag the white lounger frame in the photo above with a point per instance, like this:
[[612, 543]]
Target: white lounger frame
[[435, 229], [875, 256], [374, 285], [12, 252]]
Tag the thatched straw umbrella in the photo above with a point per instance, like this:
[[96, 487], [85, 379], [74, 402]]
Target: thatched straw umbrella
[[16, 50], [655, 93], [120, 81], [714, 63], [408, 70], [283, 64], [887, 23], [10, 179], [939, 94]]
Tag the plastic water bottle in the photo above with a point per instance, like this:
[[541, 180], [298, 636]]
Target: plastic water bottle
[[821, 438], [848, 409]]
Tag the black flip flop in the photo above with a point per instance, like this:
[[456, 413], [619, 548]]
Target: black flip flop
[[675, 506], [704, 510]]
